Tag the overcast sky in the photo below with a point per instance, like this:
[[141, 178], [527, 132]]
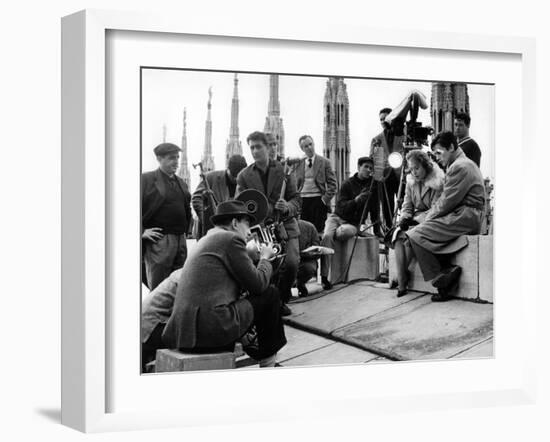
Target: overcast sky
[[166, 92]]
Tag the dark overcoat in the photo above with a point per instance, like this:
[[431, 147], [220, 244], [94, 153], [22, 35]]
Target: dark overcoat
[[216, 182], [153, 194], [208, 310]]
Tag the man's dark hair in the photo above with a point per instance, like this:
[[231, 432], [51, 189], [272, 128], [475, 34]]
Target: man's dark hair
[[303, 137], [462, 116], [257, 136], [385, 110], [235, 164], [445, 139], [363, 160]]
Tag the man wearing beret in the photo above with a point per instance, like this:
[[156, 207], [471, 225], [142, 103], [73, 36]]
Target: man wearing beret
[[355, 192], [165, 216], [222, 184], [211, 310]]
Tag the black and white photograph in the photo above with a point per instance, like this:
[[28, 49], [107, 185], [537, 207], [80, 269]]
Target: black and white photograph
[[306, 220]]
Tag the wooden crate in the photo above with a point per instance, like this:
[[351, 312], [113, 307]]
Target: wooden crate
[[364, 264]]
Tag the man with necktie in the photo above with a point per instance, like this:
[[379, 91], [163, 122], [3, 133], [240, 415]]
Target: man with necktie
[[316, 183]]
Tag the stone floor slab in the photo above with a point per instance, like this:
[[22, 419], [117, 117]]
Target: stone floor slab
[[335, 353], [300, 342], [422, 329], [483, 350], [343, 307]]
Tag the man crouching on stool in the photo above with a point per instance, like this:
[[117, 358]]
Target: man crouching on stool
[[209, 313], [457, 212]]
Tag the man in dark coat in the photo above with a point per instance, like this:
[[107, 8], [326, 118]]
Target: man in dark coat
[[165, 216], [267, 176], [456, 213], [222, 184], [344, 222], [467, 144], [210, 313], [316, 183]]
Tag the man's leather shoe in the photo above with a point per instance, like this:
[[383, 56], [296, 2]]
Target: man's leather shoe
[[447, 278], [285, 311], [442, 295], [401, 293], [326, 283]]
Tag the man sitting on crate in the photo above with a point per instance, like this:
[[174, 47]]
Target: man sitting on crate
[[350, 203], [456, 213], [210, 312]]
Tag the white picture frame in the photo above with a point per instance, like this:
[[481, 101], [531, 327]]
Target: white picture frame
[[86, 214]]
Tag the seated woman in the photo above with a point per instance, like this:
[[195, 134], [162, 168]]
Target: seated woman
[[424, 186]]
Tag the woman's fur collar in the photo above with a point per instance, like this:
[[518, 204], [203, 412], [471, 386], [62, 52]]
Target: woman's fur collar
[[434, 180]]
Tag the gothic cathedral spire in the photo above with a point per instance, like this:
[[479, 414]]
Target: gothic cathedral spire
[[183, 171], [273, 121], [233, 143], [448, 99], [207, 159], [336, 144]]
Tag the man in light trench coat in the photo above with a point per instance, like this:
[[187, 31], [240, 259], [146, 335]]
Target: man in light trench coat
[[456, 213]]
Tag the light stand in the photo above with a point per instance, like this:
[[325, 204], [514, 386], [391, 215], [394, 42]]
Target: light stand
[[414, 135]]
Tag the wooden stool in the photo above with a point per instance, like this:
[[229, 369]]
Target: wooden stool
[[174, 360]]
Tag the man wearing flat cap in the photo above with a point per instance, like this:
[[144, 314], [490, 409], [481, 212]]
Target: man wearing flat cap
[[210, 312], [165, 216], [354, 193], [222, 185]]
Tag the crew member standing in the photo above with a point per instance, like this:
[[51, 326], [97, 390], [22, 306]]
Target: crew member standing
[[272, 146], [316, 183], [465, 142], [222, 184], [391, 140], [267, 176], [165, 216]]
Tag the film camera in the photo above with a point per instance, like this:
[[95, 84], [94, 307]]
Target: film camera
[[416, 135], [266, 231]]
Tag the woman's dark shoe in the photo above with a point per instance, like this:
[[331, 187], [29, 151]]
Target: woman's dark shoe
[[401, 293], [325, 283], [302, 290]]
